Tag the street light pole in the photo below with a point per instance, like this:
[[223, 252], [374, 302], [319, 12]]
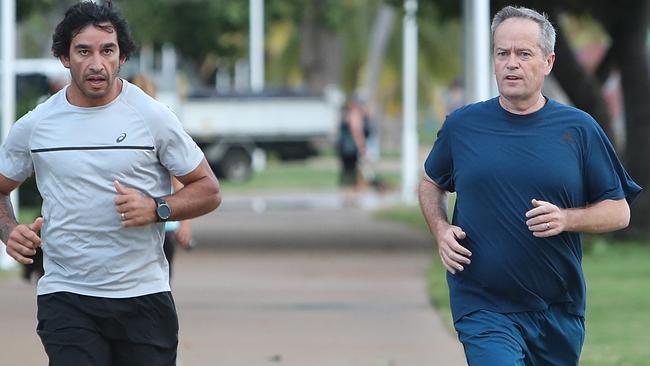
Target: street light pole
[[256, 44], [410, 103], [476, 14], [8, 57]]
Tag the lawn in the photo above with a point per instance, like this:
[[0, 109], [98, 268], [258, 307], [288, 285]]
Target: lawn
[[301, 176], [618, 296], [618, 287], [295, 176]]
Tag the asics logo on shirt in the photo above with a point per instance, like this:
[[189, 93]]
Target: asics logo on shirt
[[121, 137]]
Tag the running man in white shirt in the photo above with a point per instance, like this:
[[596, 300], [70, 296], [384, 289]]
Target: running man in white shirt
[[103, 153]]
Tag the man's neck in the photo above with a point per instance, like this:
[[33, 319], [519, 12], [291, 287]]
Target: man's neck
[[522, 106], [76, 97]]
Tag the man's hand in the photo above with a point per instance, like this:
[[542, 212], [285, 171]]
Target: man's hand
[[546, 219], [23, 241], [184, 234], [133, 207], [453, 255]]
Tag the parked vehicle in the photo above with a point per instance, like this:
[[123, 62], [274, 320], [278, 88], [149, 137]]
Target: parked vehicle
[[231, 128]]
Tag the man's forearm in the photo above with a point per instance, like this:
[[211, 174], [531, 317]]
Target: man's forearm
[[433, 203], [195, 199], [600, 217], [7, 217]]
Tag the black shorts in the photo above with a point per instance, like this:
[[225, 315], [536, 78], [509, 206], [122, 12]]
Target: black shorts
[[84, 330]]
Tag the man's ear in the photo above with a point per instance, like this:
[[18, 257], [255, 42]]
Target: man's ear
[[65, 61], [122, 59], [550, 60]]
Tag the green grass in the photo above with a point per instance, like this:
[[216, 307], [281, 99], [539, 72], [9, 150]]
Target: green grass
[[279, 177], [27, 215], [300, 176], [618, 288], [8, 273], [618, 295]]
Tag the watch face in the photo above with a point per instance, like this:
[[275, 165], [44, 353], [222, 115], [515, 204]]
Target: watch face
[[163, 211]]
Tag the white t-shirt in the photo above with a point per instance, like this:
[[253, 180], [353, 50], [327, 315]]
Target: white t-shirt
[[76, 154]]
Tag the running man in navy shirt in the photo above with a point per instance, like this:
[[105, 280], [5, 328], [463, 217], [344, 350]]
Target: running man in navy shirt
[[531, 175]]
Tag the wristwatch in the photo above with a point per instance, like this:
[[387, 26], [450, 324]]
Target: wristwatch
[[163, 211]]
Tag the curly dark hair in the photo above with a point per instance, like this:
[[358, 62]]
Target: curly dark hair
[[85, 13]]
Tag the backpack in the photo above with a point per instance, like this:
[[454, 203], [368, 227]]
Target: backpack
[[346, 144]]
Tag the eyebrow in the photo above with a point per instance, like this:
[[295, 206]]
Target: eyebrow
[[82, 46], [516, 49]]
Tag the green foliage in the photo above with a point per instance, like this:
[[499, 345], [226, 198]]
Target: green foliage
[[25, 8], [216, 32], [198, 28]]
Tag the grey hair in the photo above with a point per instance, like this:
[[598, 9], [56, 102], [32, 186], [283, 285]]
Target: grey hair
[[547, 32]]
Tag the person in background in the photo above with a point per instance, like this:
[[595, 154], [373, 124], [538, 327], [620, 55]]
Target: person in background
[[102, 152], [530, 175], [351, 149]]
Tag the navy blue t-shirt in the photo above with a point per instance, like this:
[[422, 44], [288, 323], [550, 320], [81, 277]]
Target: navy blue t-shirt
[[497, 162]]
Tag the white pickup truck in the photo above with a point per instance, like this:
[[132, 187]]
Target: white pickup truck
[[230, 128]]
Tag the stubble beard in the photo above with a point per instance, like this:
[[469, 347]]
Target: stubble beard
[[97, 94]]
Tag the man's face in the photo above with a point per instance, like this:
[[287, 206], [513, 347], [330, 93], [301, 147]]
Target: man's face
[[94, 63], [519, 63]]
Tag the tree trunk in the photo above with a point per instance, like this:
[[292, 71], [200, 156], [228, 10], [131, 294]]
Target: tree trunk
[[321, 50], [583, 89], [381, 31], [629, 38]]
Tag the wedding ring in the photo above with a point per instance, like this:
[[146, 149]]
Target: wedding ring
[[124, 216], [548, 225]]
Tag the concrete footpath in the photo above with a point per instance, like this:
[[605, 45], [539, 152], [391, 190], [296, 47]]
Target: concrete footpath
[[286, 287]]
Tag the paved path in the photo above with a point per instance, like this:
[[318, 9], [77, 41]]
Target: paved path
[[288, 287]]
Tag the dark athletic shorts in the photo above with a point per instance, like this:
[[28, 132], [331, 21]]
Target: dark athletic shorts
[[94, 331], [534, 338]]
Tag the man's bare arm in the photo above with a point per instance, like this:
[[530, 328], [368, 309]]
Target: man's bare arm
[[7, 218], [21, 240], [199, 196], [433, 202], [546, 219]]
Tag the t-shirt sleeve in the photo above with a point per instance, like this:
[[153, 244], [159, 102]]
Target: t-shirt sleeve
[[439, 164], [15, 156], [605, 176], [176, 150]]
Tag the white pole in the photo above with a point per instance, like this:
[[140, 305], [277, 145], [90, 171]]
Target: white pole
[[256, 45], [8, 93], [477, 50], [481, 19], [410, 159], [168, 67], [8, 56]]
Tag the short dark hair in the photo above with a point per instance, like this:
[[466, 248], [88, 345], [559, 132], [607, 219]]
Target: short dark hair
[[87, 13]]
